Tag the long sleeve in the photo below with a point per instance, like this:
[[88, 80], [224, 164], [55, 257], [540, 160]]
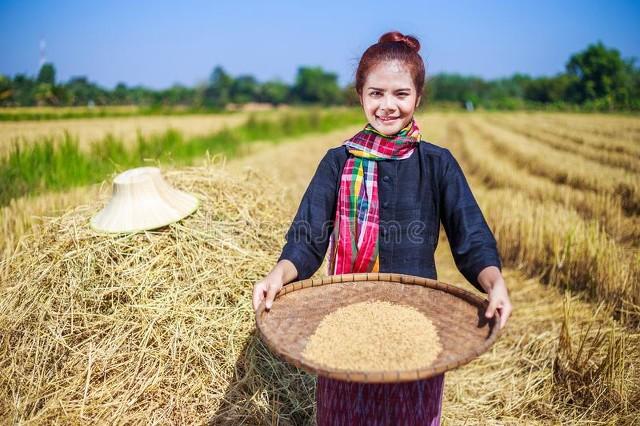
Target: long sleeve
[[473, 245], [308, 236]]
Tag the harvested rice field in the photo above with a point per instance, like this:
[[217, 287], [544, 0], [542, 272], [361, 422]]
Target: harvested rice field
[[87, 131], [158, 327]]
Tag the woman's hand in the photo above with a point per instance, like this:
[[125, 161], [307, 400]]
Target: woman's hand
[[492, 281], [267, 288], [499, 300]]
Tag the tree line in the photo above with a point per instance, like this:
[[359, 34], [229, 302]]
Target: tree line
[[597, 78]]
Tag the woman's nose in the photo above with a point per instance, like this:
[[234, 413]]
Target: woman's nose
[[387, 104]]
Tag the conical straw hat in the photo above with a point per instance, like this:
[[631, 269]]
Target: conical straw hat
[[143, 200]]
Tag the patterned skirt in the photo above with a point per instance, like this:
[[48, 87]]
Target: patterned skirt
[[410, 403]]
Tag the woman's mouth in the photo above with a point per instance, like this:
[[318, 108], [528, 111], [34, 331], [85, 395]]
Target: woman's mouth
[[387, 119]]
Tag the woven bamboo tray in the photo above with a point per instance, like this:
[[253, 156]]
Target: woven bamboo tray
[[457, 314]]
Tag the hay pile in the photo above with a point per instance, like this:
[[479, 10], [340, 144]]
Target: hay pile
[[154, 327]]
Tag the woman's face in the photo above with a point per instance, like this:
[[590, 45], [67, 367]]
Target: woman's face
[[389, 97]]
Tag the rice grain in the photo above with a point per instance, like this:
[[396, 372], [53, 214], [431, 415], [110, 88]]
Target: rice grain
[[374, 336]]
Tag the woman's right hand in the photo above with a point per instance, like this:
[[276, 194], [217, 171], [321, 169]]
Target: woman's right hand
[[267, 288]]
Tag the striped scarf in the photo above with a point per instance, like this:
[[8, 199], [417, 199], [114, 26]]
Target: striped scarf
[[353, 245]]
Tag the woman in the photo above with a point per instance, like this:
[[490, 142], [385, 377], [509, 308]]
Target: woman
[[381, 197]]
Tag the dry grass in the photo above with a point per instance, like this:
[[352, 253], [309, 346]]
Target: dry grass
[[20, 216], [530, 376], [563, 167], [136, 328], [607, 131], [16, 218], [59, 112], [546, 240], [489, 164], [572, 232], [546, 136], [90, 130], [608, 125]]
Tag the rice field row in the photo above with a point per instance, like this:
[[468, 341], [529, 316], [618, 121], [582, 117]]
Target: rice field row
[[555, 214], [564, 168], [49, 113], [89, 131], [611, 134], [612, 126], [590, 152], [487, 162]]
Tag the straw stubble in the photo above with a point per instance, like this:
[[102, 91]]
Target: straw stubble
[[374, 336]]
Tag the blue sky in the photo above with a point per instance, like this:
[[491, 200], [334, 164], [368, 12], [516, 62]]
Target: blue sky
[[158, 43]]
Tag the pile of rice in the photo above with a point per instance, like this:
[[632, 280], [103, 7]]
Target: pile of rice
[[374, 336]]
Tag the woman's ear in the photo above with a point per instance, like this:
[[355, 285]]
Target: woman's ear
[[418, 101]]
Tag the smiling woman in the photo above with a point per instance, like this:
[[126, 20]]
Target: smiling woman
[[373, 193]]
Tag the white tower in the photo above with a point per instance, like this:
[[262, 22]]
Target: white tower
[[43, 51]]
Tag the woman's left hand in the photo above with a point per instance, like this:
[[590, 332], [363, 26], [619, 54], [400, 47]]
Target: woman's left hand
[[491, 279], [499, 300]]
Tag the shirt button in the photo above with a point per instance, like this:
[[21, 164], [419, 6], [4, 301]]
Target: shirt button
[[386, 179]]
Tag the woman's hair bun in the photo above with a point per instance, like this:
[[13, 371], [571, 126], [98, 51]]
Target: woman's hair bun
[[408, 40]]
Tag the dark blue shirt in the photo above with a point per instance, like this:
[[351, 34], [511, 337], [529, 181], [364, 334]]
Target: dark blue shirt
[[416, 194]]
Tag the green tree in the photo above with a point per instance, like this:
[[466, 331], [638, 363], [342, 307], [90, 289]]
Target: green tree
[[45, 94], [600, 72], [549, 89], [178, 95], [47, 74], [510, 87], [244, 89], [350, 95], [218, 92], [23, 90], [6, 91], [275, 92], [455, 87], [313, 85], [120, 94], [80, 91], [634, 101]]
